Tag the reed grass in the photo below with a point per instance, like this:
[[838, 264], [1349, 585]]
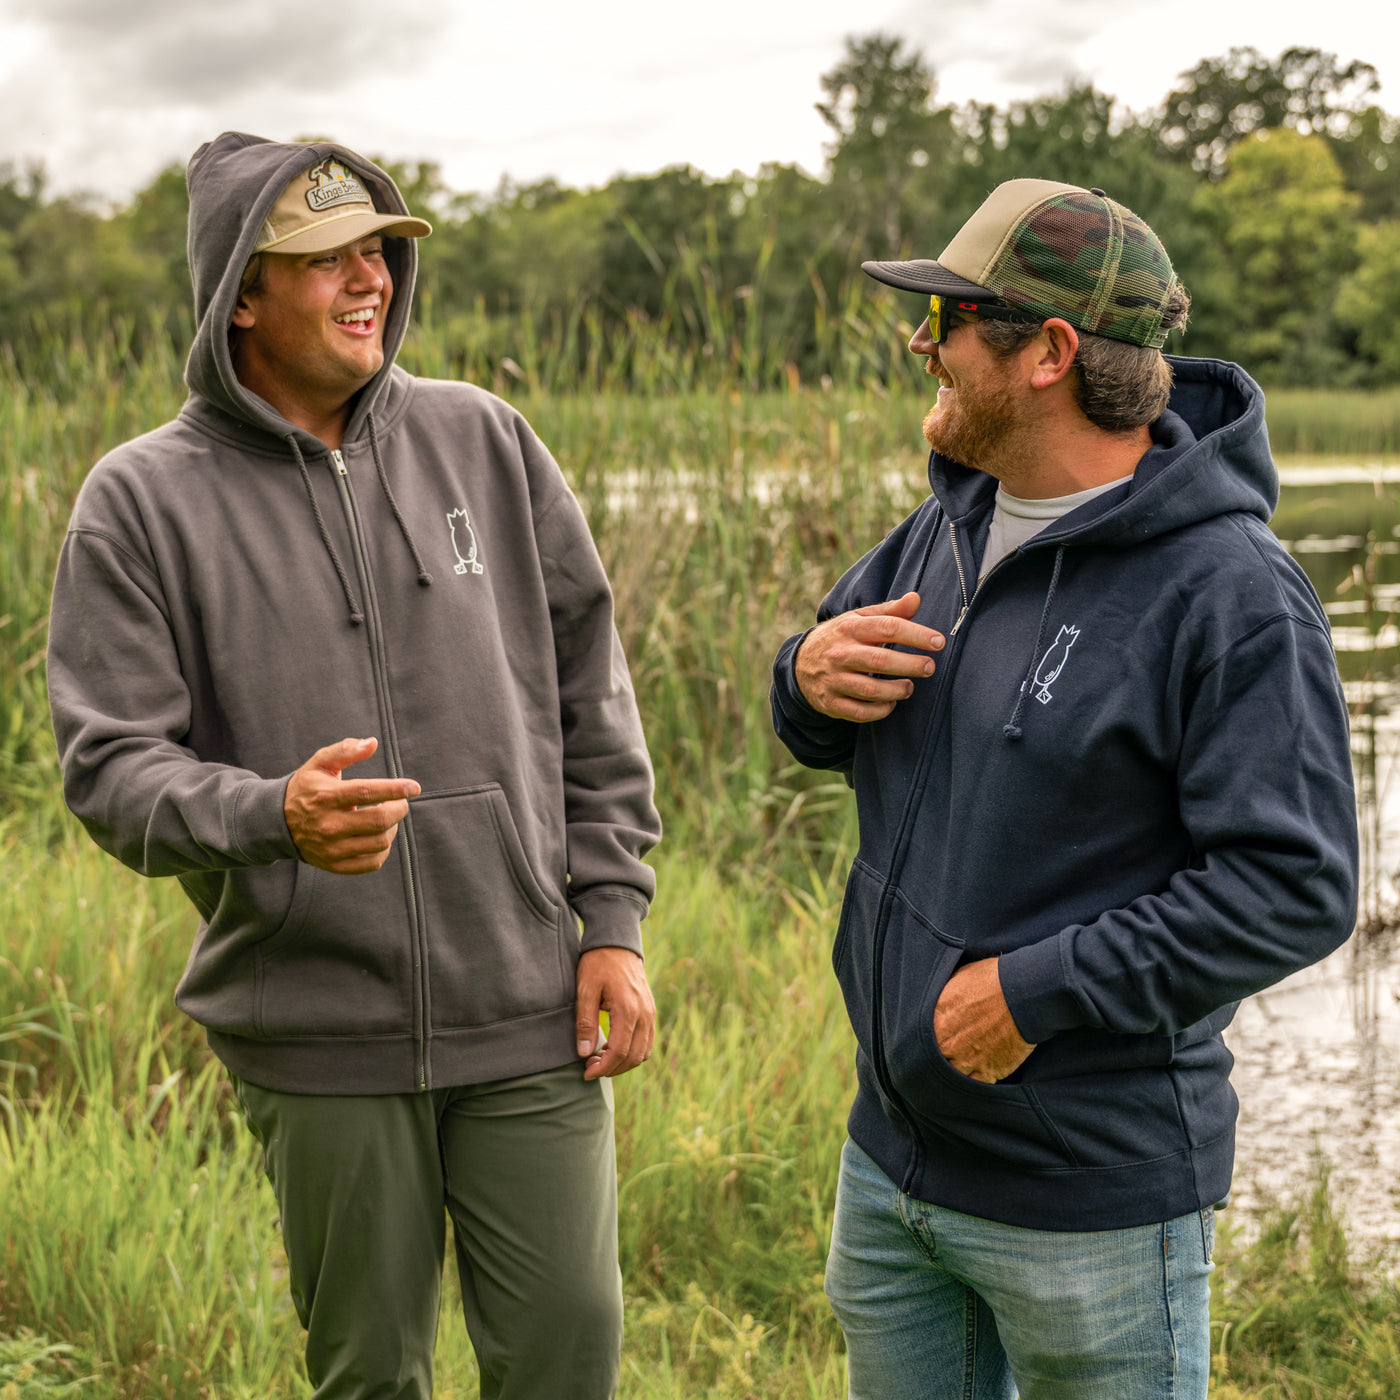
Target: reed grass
[[1357, 424], [1294, 1317], [138, 1249], [135, 1229]]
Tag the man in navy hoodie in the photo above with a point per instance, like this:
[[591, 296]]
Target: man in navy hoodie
[[1091, 713]]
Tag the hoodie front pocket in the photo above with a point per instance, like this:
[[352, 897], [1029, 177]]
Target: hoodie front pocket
[[851, 955], [1002, 1120], [339, 963], [498, 946]]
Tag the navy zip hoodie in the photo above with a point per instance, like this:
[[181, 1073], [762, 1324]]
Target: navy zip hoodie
[[1129, 778]]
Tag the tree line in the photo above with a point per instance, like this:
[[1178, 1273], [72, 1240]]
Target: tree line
[[1273, 182]]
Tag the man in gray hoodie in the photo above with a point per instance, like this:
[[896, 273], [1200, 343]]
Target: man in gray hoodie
[[406, 940]]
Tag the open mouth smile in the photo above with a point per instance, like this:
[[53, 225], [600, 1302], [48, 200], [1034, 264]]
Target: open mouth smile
[[360, 322]]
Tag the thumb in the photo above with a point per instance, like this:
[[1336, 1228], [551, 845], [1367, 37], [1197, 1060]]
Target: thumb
[[906, 606], [586, 1010], [335, 758]]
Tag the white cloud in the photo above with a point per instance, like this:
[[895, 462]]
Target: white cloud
[[159, 52], [108, 91]]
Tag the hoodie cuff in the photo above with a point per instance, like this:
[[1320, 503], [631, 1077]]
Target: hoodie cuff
[[260, 822], [1037, 995], [787, 694], [611, 919]]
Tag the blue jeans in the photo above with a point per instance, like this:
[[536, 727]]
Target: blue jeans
[[937, 1305]]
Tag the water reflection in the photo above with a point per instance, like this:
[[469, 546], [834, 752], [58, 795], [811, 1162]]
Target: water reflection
[[1318, 1056]]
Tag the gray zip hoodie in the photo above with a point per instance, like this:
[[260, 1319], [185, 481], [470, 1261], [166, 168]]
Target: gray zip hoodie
[[232, 596]]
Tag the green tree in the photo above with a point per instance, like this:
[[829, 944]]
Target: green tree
[[1223, 99], [153, 226], [1367, 301], [1283, 221], [888, 136], [1369, 155]]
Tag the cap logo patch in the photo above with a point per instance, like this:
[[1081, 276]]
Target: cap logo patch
[[332, 184]]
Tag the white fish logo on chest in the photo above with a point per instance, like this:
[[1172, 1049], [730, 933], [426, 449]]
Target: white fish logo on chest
[[1053, 662], [463, 542]]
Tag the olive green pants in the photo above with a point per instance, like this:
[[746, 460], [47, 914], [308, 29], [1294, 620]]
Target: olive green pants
[[526, 1170]]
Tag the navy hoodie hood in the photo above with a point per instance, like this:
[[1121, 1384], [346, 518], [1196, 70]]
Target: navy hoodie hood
[[1209, 456], [1129, 780]]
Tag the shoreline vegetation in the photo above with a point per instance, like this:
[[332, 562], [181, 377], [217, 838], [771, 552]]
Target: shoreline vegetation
[[140, 1255], [138, 1249]]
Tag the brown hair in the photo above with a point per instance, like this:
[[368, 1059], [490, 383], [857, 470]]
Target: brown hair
[[1117, 386], [251, 280]]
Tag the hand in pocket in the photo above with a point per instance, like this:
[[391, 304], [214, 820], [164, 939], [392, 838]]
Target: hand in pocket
[[973, 1025]]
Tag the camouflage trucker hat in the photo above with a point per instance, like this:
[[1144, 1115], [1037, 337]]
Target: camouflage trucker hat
[[1052, 250], [327, 207]]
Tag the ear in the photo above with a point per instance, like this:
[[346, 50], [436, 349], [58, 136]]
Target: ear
[[243, 316], [1053, 352]]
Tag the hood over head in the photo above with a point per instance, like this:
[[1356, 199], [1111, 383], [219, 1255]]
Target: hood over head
[[234, 183]]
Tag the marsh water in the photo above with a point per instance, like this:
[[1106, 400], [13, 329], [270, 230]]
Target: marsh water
[[1317, 1058]]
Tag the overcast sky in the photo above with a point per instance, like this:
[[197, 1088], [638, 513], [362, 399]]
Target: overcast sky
[[106, 92]]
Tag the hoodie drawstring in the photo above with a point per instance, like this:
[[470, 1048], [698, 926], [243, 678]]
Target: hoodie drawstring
[[424, 577], [1011, 728], [357, 615]]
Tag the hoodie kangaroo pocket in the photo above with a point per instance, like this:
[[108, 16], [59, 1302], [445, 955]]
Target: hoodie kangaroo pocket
[[339, 963], [1002, 1120], [498, 946], [851, 953]]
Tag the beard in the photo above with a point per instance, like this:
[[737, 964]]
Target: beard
[[976, 424]]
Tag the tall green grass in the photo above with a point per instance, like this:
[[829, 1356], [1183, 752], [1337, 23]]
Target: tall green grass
[[138, 1249], [135, 1228], [1339, 423]]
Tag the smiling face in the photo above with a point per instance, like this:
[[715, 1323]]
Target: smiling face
[[309, 334], [977, 417]]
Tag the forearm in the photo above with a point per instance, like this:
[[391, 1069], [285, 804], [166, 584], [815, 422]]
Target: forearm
[[610, 817]]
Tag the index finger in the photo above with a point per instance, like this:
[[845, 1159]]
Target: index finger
[[885, 630], [370, 792]]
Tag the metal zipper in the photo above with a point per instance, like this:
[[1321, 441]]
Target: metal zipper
[[962, 577], [903, 838], [900, 851], [391, 757], [904, 835]]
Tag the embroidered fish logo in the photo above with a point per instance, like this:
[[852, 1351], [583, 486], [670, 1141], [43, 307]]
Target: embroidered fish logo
[[463, 545], [1053, 662]]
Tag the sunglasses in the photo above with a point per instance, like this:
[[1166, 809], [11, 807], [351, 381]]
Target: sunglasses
[[941, 311]]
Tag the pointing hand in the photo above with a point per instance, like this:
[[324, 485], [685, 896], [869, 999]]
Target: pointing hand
[[344, 826]]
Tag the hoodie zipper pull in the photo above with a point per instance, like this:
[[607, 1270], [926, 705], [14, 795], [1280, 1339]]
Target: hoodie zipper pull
[[953, 631], [339, 461]]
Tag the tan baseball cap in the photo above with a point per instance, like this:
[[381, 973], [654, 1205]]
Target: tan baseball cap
[[327, 207], [1051, 249]]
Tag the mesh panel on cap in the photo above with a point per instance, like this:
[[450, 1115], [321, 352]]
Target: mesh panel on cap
[[1090, 261]]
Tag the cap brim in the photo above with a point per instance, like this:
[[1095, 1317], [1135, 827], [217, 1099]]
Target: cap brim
[[336, 232], [925, 275]]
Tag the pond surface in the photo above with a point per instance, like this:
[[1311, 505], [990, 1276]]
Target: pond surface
[[1317, 1058]]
